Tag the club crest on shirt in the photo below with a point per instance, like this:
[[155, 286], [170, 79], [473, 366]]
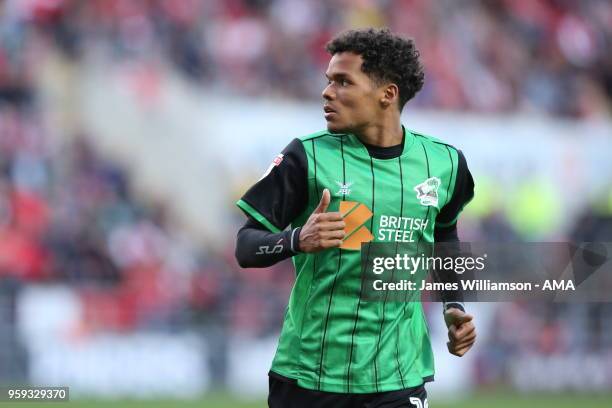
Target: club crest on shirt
[[345, 188], [427, 191], [275, 163]]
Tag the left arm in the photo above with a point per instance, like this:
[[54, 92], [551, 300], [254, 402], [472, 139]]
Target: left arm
[[448, 236], [461, 329]]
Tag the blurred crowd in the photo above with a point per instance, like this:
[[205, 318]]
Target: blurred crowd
[[537, 334], [69, 215], [542, 56]]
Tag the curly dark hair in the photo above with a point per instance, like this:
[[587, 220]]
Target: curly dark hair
[[386, 58]]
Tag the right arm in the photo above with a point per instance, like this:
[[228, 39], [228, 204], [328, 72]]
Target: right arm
[[257, 247], [279, 197]]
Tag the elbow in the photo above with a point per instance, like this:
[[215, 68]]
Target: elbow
[[241, 254], [240, 258], [243, 263]]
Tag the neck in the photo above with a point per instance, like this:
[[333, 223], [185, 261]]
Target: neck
[[383, 135]]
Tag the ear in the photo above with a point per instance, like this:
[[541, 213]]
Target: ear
[[390, 95]]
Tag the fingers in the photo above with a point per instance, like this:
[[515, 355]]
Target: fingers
[[323, 229], [468, 341], [321, 210], [324, 203], [467, 336], [331, 239], [331, 243], [331, 225], [457, 316], [459, 352], [465, 318], [330, 217], [460, 334], [464, 330], [462, 339], [457, 346], [335, 234], [460, 349], [452, 330]]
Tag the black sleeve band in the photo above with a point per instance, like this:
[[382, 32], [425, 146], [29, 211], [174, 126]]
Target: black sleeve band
[[450, 248], [257, 247], [462, 193]]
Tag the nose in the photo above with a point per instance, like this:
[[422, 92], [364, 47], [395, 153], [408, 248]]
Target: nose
[[328, 94]]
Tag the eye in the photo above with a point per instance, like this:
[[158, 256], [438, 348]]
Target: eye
[[340, 82]]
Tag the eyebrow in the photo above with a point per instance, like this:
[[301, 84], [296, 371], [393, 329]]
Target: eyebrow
[[338, 75]]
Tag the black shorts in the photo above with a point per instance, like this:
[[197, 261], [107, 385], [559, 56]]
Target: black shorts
[[284, 393]]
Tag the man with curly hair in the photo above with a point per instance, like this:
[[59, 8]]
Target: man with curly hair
[[365, 179]]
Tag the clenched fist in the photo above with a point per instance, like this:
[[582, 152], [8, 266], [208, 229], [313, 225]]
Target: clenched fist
[[461, 331]]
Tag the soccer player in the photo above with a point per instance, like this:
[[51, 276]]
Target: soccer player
[[366, 178]]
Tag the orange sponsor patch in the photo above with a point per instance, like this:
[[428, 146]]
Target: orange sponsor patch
[[355, 215]]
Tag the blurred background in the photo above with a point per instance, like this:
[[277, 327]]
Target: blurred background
[[128, 128]]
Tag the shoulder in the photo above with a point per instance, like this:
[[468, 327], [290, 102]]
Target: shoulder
[[320, 141], [302, 147], [315, 135], [322, 134], [435, 144]]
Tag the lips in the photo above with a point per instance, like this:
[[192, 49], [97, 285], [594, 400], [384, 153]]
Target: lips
[[329, 111]]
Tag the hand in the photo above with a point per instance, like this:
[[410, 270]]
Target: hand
[[322, 229], [461, 331]]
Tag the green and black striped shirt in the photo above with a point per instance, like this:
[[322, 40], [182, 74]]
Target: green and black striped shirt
[[332, 339]]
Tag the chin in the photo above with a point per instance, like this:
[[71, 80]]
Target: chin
[[334, 128]]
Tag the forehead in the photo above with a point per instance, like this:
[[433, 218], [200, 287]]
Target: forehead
[[346, 63]]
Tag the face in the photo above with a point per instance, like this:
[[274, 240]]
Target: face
[[352, 99]]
